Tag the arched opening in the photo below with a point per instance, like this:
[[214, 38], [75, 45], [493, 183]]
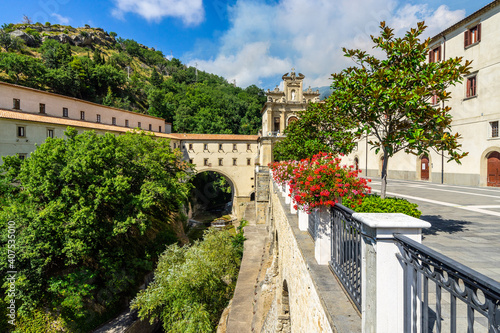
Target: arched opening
[[356, 163], [252, 196], [493, 174], [285, 301], [211, 198], [292, 119], [424, 167]]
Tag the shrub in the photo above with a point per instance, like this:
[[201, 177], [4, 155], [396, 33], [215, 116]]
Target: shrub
[[192, 284], [375, 204]]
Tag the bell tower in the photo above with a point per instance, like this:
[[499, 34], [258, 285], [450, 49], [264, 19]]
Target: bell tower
[[282, 107]]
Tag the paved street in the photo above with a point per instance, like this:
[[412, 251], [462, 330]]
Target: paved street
[[465, 220]]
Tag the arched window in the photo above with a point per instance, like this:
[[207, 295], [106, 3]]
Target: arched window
[[292, 119]]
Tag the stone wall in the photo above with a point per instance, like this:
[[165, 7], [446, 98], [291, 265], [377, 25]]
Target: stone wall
[[298, 307]]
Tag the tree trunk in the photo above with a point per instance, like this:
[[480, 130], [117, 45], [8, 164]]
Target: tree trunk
[[384, 176]]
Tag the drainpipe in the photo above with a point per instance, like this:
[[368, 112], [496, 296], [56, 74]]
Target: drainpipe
[[442, 151], [366, 153]]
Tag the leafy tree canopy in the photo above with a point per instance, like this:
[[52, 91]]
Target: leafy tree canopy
[[389, 98], [193, 284], [140, 78], [92, 213], [319, 129]]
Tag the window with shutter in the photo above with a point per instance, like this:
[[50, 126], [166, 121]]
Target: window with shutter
[[472, 35], [435, 54], [471, 86]]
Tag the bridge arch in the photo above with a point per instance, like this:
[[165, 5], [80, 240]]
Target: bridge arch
[[223, 173]]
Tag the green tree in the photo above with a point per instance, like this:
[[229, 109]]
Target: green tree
[[55, 54], [192, 284], [390, 97], [10, 43], [320, 128], [92, 213], [22, 69]]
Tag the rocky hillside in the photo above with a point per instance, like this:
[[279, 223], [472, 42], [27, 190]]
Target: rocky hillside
[[92, 64], [73, 36]]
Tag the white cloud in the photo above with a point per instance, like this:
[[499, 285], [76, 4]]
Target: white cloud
[[247, 65], [191, 12], [265, 41], [60, 19]]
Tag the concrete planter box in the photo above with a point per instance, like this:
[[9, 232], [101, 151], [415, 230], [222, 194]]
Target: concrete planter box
[[322, 244], [303, 219]]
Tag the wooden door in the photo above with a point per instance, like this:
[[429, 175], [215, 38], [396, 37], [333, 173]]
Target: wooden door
[[493, 169], [424, 168]]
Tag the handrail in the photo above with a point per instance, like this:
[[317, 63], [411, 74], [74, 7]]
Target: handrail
[[448, 264]]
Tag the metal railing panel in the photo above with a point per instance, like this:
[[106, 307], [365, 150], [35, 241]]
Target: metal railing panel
[[479, 295], [313, 223], [346, 251]]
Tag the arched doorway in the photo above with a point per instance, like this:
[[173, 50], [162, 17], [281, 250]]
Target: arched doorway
[[493, 169], [356, 163], [424, 167]]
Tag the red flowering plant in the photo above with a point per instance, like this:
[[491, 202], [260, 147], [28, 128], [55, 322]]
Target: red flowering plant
[[322, 181], [283, 171]]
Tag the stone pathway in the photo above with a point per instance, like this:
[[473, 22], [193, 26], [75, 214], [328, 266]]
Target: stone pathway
[[241, 313]]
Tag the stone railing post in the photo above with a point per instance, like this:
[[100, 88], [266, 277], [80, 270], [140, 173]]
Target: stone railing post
[[382, 274], [303, 219], [287, 192], [322, 244]]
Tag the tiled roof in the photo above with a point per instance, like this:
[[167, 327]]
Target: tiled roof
[[19, 115], [76, 99], [214, 137], [467, 19]]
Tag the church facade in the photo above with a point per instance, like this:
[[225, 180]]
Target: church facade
[[282, 108]]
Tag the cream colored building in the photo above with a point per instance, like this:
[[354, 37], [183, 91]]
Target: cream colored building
[[282, 108], [28, 116], [232, 156], [475, 109]]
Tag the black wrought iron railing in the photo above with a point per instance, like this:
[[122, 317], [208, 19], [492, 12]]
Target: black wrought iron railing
[[346, 251], [476, 293]]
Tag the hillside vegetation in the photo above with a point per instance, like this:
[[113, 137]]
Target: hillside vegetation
[[98, 66]]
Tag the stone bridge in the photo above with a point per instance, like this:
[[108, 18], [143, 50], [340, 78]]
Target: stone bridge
[[232, 156]]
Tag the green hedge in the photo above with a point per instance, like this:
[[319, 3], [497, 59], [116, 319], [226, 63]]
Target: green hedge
[[375, 204]]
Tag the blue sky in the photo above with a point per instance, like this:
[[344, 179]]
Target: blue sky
[[249, 41]]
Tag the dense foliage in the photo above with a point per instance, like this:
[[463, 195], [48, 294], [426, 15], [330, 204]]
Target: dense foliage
[[92, 213], [319, 129], [375, 204], [124, 74], [193, 284], [390, 98]]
